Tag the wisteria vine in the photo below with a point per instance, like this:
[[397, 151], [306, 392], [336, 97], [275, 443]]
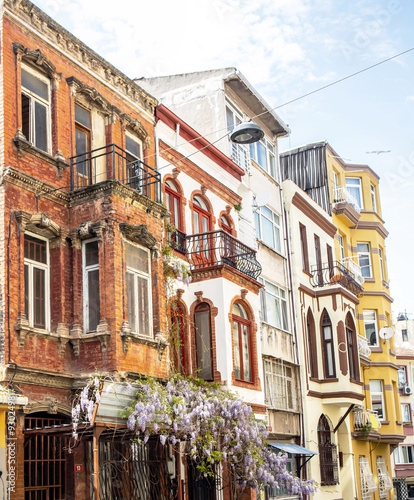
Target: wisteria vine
[[213, 425]]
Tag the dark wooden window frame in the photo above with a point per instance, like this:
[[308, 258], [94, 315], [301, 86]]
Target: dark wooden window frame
[[327, 345], [304, 245], [241, 321], [352, 347]]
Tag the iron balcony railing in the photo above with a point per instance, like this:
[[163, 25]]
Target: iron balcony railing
[[366, 420], [177, 241], [341, 193], [112, 162], [353, 267], [217, 248], [335, 274]]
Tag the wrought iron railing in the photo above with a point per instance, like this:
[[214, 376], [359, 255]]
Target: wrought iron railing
[[335, 274], [177, 241], [217, 248], [328, 459], [112, 162], [353, 267], [341, 193], [366, 420], [363, 346]]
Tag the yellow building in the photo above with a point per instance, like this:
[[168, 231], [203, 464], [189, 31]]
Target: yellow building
[[349, 195]]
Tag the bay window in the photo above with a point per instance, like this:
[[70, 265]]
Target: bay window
[[36, 281], [138, 285], [274, 305], [353, 186], [268, 228]]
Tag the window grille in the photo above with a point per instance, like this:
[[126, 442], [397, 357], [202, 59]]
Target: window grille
[[281, 387], [368, 485], [384, 480]]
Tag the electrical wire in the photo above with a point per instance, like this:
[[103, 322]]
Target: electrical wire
[[291, 101]]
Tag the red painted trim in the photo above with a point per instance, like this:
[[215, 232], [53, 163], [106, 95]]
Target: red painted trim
[[189, 134]]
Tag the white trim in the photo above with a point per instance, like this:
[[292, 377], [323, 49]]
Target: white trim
[[85, 271], [381, 394], [364, 254], [365, 313], [46, 268]]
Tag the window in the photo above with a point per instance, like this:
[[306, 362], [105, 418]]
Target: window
[[203, 341], [36, 281], [377, 398], [404, 335], [312, 349], [263, 153], [238, 152], [328, 346], [274, 305], [225, 224], [138, 284], [402, 376], [290, 465], [373, 198], [304, 246], [370, 325], [404, 455], [173, 202], [318, 258], [133, 155], [327, 453], [83, 146], [384, 481], [330, 260], [335, 182], [242, 348], [353, 186], [177, 318], [91, 290], [352, 347], [201, 215], [281, 386], [381, 259], [36, 109], [341, 248], [364, 259], [268, 228], [406, 413]]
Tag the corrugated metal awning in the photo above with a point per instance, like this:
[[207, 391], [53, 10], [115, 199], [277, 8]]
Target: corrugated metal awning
[[294, 449]]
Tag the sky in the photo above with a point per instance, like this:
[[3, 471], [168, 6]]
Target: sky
[[285, 49]]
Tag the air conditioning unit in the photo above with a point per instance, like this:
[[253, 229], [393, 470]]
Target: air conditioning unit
[[407, 390]]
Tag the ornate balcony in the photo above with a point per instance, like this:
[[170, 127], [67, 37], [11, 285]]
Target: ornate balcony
[[112, 162], [353, 268], [217, 248], [345, 206], [366, 424], [341, 194], [335, 274]]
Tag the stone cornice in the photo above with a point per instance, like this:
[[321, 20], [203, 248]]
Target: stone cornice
[[36, 376], [29, 14], [372, 225]]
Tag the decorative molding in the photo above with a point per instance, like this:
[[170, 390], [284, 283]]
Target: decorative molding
[[337, 394], [159, 342], [90, 229], [92, 96], [24, 146], [371, 225], [138, 234], [36, 376], [137, 127], [329, 290], [37, 58], [347, 210]]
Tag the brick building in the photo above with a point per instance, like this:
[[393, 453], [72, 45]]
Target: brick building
[[81, 273]]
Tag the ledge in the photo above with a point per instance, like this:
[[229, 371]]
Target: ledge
[[23, 145], [23, 330], [159, 342]]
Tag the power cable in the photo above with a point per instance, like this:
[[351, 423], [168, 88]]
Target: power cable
[[288, 102]]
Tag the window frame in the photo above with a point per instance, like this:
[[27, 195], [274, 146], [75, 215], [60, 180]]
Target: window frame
[[84, 179], [279, 300], [35, 97], [277, 232], [170, 196], [362, 254], [381, 394], [341, 248], [276, 387], [138, 273], [304, 248], [373, 197], [402, 382], [85, 282], [45, 267], [381, 259], [270, 162], [406, 405], [203, 307], [328, 346], [404, 334], [318, 259], [399, 457], [350, 188], [133, 181], [239, 321], [370, 321], [312, 345], [353, 360]]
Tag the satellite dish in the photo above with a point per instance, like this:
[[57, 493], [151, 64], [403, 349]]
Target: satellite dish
[[386, 332], [262, 198]]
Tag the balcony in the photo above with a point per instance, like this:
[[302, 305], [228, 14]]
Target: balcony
[[218, 248], [363, 346], [353, 268], [335, 274], [366, 424], [112, 162], [345, 206]]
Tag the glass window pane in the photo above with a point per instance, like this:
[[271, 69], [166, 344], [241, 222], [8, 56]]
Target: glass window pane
[[35, 85], [203, 344], [26, 291], [26, 127], [133, 146], [267, 232], [236, 351], [131, 306], [136, 258], [40, 126], [247, 376], [91, 253], [143, 306], [375, 386], [39, 298], [262, 155], [83, 116], [93, 300]]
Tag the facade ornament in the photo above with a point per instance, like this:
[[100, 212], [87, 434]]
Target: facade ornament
[[199, 296], [22, 328], [22, 219], [53, 406], [61, 163], [139, 234], [136, 126], [162, 344], [243, 293], [125, 335], [38, 58], [88, 229]]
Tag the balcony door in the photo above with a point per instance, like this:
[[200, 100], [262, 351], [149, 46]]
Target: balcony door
[[83, 146], [201, 224]]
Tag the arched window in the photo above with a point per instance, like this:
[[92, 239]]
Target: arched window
[[242, 347], [328, 346], [203, 345], [327, 453], [226, 224], [173, 202], [178, 335], [352, 347], [201, 215], [312, 350]]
